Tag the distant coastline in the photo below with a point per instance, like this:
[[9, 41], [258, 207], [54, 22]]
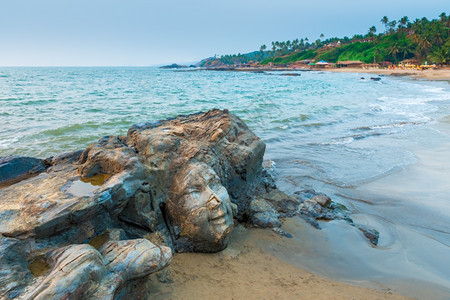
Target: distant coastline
[[442, 73]]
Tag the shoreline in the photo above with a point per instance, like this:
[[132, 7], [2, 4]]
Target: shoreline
[[442, 74], [439, 74]]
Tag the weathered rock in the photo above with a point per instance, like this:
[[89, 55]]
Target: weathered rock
[[74, 271], [14, 272], [284, 204], [133, 259], [68, 157], [182, 182], [318, 206], [323, 200], [16, 168], [82, 272], [371, 234], [263, 214]]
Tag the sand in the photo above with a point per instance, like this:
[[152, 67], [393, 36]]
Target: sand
[[245, 271], [439, 74]]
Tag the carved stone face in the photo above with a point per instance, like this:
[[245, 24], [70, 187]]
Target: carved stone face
[[200, 208]]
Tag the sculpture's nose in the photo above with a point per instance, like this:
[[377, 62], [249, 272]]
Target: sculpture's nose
[[214, 201]]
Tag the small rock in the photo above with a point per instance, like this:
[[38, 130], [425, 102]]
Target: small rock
[[263, 214], [371, 234], [323, 200], [283, 232], [284, 204]]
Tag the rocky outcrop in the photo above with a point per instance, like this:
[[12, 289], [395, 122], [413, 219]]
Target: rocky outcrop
[[81, 226], [318, 206]]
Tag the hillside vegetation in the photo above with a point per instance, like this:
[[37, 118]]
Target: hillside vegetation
[[422, 40]]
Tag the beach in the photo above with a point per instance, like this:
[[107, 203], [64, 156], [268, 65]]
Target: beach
[[438, 74], [245, 270], [441, 74]]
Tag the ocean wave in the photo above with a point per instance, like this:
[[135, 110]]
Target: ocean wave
[[6, 143], [347, 139], [388, 126]]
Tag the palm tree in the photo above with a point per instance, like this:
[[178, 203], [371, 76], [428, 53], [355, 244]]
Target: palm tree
[[385, 22], [394, 51], [372, 31], [295, 44], [402, 23], [440, 56], [261, 50], [405, 48], [424, 43], [392, 25]]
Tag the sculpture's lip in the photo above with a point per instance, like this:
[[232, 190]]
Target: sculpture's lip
[[219, 221], [219, 218]]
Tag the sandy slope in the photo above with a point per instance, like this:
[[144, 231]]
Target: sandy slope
[[245, 271]]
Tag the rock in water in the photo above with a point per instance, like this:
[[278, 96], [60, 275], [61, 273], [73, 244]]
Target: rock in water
[[318, 206], [181, 182]]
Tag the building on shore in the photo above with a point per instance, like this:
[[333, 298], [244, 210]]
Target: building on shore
[[349, 64], [322, 64]]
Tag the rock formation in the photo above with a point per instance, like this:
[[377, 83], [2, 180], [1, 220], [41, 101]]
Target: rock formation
[[318, 206], [79, 225]]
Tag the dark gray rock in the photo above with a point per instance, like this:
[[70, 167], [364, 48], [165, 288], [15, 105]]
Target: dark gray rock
[[318, 206], [263, 214], [16, 168], [68, 157], [371, 234]]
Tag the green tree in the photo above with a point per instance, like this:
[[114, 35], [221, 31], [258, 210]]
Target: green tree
[[392, 25], [402, 24], [394, 50], [261, 51], [371, 33], [385, 22]]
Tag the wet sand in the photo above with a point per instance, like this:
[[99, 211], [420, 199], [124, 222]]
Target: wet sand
[[439, 74], [247, 270]]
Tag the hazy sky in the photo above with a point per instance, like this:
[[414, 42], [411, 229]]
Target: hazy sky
[[140, 33]]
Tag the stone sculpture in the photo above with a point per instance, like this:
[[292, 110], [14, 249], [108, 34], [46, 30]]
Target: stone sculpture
[[200, 209], [89, 216]]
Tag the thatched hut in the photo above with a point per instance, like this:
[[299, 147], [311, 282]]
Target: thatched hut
[[349, 64]]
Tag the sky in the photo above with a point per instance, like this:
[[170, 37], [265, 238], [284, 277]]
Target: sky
[[154, 32]]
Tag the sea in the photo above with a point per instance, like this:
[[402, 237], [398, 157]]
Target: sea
[[379, 147]]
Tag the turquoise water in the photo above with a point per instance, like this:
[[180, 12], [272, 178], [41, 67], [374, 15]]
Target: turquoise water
[[379, 147]]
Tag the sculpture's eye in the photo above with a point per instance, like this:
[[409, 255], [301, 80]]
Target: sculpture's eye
[[195, 194]]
